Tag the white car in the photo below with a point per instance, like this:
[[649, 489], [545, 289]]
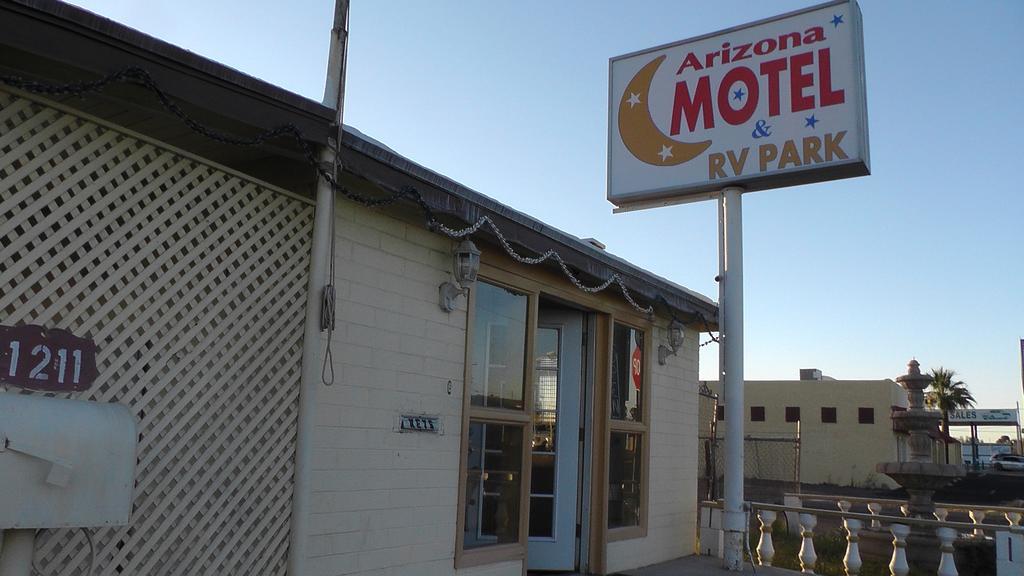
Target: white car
[[1008, 462]]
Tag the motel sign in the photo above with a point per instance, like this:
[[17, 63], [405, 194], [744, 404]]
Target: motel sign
[[774, 103]]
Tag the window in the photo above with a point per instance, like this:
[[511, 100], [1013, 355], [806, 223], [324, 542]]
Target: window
[[496, 457], [627, 374], [792, 413], [866, 415], [757, 413], [720, 413], [627, 428], [828, 415]]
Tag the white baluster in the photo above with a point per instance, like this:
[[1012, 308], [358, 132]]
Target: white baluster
[[947, 565], [807, 555], [875, 508], [977, 516], [765, 548], [898, 565], [1013, 518], [844, 505], [852, 559], [940, 514]]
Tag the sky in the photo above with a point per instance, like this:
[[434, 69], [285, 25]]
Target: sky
[[921, 259]]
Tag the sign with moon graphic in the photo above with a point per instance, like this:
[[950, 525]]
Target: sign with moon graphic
[[775, 103]]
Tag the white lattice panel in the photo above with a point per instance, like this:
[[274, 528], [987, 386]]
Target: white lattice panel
[[192, 280]]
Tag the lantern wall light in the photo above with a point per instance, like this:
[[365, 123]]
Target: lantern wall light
[[675, 341], [465, 266]]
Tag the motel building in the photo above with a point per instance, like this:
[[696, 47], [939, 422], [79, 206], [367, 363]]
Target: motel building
[[467, 412]]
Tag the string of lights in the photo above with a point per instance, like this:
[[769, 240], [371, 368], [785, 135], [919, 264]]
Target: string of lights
[[140, 77]]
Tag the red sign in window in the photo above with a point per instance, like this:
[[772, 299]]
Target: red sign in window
[[636, 362]]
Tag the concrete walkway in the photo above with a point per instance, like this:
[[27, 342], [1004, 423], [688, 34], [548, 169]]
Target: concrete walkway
[[702, 566]]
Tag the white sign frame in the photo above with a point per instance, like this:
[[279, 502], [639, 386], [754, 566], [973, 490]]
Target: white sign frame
[[661, 188]]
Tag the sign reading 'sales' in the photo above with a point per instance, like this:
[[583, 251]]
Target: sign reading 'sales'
[[774, 103]]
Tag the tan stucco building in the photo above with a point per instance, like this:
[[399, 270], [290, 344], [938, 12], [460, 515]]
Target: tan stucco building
[[845, 426]]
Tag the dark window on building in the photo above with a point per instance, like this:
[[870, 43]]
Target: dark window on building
[[720, 413], [828, 415], [757, 413], [792, 413], [866, 415]]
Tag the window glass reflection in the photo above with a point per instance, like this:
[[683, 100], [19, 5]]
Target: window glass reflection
[[624, 480], [498, 349], [627, 374], [493, 482]]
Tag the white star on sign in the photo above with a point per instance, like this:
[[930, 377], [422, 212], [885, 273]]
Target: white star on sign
[[666, 152], [633, 99]]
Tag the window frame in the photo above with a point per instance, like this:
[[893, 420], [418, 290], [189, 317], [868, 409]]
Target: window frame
[[641, 428], [860, 414], [466, 558], [760, 414], [798, 415], [834, 415], [496, 268]]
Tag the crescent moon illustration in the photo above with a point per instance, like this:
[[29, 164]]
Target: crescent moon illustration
[[637, 129]]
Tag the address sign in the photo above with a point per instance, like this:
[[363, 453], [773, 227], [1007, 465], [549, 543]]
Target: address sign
[[50, 360]]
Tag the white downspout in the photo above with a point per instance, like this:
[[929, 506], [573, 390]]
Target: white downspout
[[319, 265]]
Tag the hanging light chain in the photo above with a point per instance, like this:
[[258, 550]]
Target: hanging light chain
[[140, 77]]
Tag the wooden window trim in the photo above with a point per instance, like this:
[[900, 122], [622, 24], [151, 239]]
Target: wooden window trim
[[510, 551], [503, 271], [642, 428]]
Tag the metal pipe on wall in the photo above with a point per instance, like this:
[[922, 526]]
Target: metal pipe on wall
[[320, 263]]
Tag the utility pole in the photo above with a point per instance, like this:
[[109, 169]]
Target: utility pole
[[320, 295]]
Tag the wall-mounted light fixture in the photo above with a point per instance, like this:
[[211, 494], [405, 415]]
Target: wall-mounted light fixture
[[465, 266], [675, 340]]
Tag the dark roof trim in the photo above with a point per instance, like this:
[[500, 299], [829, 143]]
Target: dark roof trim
[[364, 157], [85, 41], [74, 36]]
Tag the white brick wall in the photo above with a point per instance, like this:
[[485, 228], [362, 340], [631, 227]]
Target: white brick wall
[[385, 503], [672, 482]]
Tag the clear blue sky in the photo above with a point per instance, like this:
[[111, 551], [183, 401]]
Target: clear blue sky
[[921, 259]]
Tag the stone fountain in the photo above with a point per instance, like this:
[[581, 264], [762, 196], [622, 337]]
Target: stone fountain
[[919, 475]]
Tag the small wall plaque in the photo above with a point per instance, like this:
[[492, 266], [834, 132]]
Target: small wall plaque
[[52, 360], [419, 423]]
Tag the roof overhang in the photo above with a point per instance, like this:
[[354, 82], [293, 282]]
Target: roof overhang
[[50, 41], [461, 205]]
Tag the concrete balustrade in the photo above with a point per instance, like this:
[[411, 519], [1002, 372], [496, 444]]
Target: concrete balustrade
[[947, 565], [875, 508], [900, 528], [807, 556], [852, 560], [765, 547], [978, 516], [898, 565]]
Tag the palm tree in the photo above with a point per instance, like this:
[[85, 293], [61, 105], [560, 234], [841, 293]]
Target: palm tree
[[947, 394]]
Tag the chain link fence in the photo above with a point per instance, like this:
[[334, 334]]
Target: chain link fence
[[771, 464]]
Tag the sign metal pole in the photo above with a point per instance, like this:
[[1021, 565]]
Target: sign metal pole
[[731, 370]]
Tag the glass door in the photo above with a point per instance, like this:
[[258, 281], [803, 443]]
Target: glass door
[[558, 372]]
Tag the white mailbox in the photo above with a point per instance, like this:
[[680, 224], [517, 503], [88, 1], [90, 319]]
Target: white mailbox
[[65, 463]]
